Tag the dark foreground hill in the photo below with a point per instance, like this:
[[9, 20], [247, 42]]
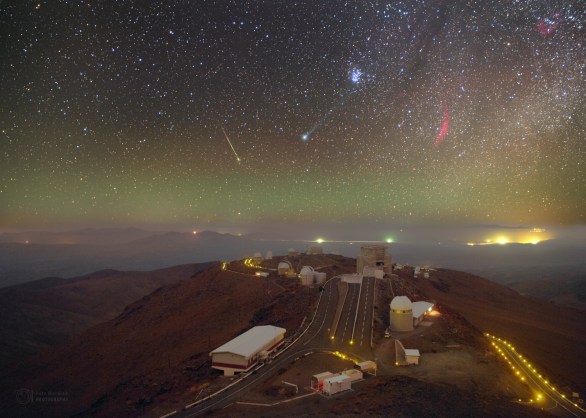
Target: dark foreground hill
[[157, 349], [45, 312]]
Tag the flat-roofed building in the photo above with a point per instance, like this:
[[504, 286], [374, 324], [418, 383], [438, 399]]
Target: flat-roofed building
[[412, 356], [337, 384], [317, 380], [243, 352], [420, 309]]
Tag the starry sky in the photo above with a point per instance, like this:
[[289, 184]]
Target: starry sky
[[238, 112]]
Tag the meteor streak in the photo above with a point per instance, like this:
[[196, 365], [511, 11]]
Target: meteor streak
[[226, 135]]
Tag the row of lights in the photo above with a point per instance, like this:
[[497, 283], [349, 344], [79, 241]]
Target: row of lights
[[249, 262], [528, 364], [345, 357]]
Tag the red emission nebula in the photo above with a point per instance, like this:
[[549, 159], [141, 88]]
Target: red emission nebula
[[445, 126]]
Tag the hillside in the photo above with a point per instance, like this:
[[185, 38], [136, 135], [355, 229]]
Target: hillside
[[45, 312], [157, 349], [566, 291], [20, 263], [155, 353], [553, 337], [403, 396]]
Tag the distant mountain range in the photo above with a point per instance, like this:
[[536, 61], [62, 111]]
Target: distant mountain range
[[78, 253], [90, 236]]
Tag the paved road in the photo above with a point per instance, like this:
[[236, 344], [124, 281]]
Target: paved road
[[546, 396], [363, 317], [315, 339], [346, 324]]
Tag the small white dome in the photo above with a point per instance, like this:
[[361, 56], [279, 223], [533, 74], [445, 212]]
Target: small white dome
[[284, 265], [258, 255], [291, 250], [306, 269], [401, 303]]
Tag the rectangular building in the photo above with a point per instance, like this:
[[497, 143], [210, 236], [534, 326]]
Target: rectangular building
[[337, 384], [243, 352], [412, 356], [420, 310]]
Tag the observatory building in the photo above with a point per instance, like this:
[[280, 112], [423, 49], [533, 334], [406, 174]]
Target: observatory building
[[405, 315], [285, 268], [401, 315], [317, 249], [292, 252], [374, 256], [257, 258], [307, 275], [243, 352]]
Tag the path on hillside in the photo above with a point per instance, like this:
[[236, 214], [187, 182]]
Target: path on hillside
[[315, 339], [550, 399]]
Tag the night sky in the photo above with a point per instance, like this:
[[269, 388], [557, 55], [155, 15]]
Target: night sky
[[416, 112]]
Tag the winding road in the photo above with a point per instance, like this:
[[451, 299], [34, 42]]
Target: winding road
[[356, 318], [546, 396]]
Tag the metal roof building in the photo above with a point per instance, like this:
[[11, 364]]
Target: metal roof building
[[419, 311], [244, 351], [412, 356], [337, 384]]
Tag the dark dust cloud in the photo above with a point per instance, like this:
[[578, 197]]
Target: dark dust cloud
[[414, 112]]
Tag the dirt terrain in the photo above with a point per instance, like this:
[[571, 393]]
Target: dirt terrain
[[46, 312], [156, 352], [550, 336], [154, 356]]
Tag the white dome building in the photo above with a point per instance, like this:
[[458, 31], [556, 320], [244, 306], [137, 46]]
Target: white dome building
[[257, 258], [401, 314], [285, 268], [307, 275], [269, 255]]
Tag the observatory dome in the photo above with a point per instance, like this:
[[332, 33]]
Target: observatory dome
[[291, 250], [306, 269], [401, 303], [284, 265], [257, 255]]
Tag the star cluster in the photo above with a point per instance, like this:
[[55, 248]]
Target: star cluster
[[113, 112]]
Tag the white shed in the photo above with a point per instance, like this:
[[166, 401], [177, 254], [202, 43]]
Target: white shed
[[269, 255], [337, 384], [420, 309], [317, 380], [366, 366], [412, 356]]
